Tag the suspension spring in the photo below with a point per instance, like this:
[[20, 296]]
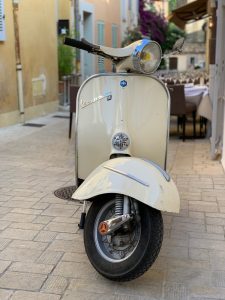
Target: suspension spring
[[119, 205]]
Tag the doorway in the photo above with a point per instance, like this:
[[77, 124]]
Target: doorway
[[87, 32], [88, 58]]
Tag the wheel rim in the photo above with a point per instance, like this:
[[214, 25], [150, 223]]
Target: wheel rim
[[119, 247]]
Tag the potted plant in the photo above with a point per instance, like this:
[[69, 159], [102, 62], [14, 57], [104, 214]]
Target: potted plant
[[65, 61]]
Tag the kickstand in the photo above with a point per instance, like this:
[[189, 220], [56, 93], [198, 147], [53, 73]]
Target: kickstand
[[82, 216]]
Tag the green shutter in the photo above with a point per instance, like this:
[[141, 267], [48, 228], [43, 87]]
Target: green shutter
[[114, 36], [101, 41], [2, 21], [129, 5]]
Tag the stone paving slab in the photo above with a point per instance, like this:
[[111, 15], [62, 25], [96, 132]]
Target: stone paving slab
[[42, 254], [5, 294], [23, 295], [22, 281]]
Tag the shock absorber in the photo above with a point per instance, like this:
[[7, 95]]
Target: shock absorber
[[119, 205]]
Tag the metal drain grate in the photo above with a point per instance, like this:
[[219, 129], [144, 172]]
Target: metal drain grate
[[62, 117], [33, 125], [65, 192]]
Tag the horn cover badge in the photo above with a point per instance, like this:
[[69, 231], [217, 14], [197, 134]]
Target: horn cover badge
[[123, 83], [120, 141]]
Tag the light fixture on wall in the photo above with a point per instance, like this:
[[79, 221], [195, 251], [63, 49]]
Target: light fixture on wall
[[210, 22]]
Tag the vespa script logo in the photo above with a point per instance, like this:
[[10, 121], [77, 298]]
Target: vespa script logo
[[107, 96]]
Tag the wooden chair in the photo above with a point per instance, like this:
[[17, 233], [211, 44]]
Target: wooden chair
[[169, 81], [197, 81], [181, 108], [73, 96]]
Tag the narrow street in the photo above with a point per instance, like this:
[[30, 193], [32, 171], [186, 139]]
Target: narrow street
[[41, 249]]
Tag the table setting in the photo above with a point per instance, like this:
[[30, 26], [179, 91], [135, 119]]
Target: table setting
[[199, 95]]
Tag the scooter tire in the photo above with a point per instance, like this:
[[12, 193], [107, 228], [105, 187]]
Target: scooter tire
[[145, 253]]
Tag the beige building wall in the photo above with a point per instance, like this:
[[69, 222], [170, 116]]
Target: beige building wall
[[8, 86], [38, 46], [129, 16], [64, 9], [107, 11], [194, 26], [66, 12], [162, 7]]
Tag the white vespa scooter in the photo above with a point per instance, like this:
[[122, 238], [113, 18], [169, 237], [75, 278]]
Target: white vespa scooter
[[122, 124]]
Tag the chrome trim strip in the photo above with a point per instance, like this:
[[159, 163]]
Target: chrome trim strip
[[76, 138], [168, 118], [163, 172], [127, 175]]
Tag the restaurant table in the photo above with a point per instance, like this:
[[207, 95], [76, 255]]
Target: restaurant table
[[199, 94]]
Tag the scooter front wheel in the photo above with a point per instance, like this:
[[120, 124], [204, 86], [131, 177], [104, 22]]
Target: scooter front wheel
[[125, 254]]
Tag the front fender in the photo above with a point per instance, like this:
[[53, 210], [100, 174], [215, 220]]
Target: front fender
[[134, 177]]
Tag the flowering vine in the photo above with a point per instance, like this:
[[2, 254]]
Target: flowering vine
[[152, 24]]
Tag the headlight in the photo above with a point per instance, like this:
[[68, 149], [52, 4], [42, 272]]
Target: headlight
[[147, 56]]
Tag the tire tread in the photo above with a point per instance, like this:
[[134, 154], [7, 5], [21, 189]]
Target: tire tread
[[150, 253]]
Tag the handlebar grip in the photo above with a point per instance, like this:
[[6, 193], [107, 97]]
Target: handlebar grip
[[77, 44]]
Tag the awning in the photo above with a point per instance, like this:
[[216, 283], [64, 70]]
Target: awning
[[192, 11]]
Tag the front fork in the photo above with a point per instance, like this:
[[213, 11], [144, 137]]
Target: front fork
[[122, 205], [126, 210], [123, 214], [83, 215]]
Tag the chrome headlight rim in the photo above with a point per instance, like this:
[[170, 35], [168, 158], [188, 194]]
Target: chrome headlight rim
[[136, 57]]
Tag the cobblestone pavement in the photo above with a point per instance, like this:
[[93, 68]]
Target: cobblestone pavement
[[41, 250]]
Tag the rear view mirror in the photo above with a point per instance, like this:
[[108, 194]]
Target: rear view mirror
[[178, 45]]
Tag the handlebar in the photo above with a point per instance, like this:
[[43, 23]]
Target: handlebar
[[114, 54], [83, 44]]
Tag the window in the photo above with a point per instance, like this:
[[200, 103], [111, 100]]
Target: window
[[101, 41], [114, 36], [173, 63], [63, 27], [124, 10], [192, 60], [2, 21]]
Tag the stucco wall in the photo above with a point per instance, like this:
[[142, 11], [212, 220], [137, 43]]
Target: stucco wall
[[8, 87], [129, 18], [38, 49], [66, 12], [38, 45], [107, 11], [64, 9]]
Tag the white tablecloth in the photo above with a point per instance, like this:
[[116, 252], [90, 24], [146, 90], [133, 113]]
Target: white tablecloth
[[204, 106]]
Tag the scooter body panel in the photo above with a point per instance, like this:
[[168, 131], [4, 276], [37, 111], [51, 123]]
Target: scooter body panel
[[134, 177], [136, 105]]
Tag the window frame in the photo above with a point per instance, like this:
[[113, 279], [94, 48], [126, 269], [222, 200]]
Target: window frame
[[101, 41], [2, 22]]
